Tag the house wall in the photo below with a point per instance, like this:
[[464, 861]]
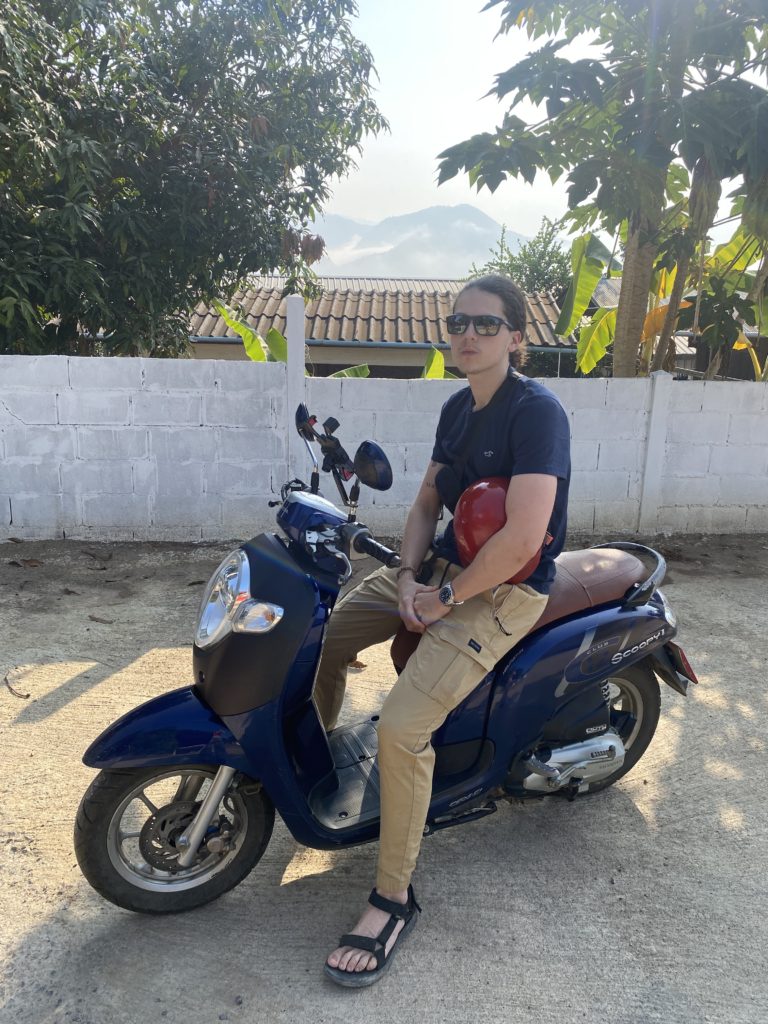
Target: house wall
[[127, 449]]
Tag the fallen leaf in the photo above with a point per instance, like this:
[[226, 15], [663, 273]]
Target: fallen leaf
[[357, 663], [23, 696], [31, 563], [97, 568], [15, 540], [67, 592], [96, 618]]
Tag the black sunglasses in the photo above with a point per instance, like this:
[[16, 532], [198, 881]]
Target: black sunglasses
[[486, 325]]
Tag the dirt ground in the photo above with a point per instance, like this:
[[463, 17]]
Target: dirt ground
[[645, 903]]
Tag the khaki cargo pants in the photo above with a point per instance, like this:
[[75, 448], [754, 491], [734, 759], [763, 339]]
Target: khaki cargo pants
[[451, 659]]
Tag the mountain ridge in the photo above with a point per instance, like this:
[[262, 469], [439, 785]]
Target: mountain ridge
[[436, 242]]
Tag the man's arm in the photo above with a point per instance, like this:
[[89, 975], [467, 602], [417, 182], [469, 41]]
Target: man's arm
[[529, 503], [418, 535]]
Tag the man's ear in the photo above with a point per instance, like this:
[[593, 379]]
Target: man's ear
[[516, 340]]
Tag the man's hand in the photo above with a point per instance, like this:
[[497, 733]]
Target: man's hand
[[429, 608], [408, 589]]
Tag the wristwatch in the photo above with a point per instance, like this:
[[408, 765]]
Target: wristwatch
[[447, 596]]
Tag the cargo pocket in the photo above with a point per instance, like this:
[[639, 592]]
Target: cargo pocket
[[516, 609], [474, 638]]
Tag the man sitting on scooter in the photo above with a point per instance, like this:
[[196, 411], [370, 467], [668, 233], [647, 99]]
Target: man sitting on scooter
[[502, 425]]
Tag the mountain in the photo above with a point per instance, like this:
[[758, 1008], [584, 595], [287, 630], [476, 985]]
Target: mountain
[[440, 241]]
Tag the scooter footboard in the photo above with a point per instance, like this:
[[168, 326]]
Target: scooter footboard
[[175, 728]]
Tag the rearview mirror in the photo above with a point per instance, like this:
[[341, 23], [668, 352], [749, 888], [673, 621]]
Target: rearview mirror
[[372, 467], [304, 423]]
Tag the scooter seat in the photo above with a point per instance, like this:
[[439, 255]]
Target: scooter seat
[[583, 579], [587, 578]]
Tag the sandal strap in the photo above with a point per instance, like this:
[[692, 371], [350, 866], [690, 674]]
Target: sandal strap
[[360, 942], [402, 911], [397, 912], [376, 946]]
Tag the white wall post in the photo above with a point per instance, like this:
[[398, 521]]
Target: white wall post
[[295, 380], [655, 449]]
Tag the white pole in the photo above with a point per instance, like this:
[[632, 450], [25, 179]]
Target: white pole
[[655, 452], [295, 381]]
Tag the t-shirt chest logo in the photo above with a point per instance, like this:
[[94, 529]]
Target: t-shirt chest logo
[[488, 454]]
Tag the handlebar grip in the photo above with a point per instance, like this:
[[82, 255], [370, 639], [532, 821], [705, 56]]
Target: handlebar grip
[[366, 545]]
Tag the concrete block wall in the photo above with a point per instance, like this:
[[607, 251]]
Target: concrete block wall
[[138, 449], [716, 458], [401, 416], [183, 450]]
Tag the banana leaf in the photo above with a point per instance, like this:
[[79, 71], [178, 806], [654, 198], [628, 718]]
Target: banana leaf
[[361, 370], [595, 339], [253, 342]]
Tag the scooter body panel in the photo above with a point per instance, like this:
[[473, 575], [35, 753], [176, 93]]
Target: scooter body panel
[[176, 728]]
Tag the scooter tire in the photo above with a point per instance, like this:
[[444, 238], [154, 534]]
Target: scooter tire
[[640, 684], [112, 877]]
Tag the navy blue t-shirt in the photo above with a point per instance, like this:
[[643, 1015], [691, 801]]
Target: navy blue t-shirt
[[523, 429]]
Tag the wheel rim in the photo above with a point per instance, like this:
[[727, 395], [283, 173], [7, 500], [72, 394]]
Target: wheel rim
[[624, 696], [141, 833]]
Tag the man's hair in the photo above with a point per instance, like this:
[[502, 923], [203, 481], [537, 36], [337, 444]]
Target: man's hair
[[513, 303]]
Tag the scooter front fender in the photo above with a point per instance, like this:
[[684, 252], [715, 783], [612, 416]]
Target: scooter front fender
[[175, 728]]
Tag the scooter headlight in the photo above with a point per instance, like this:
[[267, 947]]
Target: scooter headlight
[[227, 604]]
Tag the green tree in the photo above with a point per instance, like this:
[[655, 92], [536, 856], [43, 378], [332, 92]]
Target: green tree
[[674, 90], [155, 152], [540, 265]]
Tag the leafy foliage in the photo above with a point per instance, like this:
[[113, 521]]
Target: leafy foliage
[[675, 88], [153, 153], [434, 367], [589, 257], [541, 265]]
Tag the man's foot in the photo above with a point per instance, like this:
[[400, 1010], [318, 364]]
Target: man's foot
[[372, 923], [365, 954]]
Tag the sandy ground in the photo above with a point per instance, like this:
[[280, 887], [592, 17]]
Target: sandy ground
[[645, 903]]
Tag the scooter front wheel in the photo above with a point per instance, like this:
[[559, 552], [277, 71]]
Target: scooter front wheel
[[130, 819]]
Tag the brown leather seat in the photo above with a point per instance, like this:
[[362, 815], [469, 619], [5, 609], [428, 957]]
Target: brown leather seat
[[583, 580]]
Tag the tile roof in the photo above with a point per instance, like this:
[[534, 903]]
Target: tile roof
[[606, 293], [397, 310]]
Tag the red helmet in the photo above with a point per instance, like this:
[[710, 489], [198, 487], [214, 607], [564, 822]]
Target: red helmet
[[480, 512]]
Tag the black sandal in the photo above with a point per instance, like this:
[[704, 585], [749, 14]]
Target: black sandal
[[398, 912]]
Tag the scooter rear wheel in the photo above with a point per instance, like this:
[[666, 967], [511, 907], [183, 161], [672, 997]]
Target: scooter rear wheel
[[634, 689], [129, 820]]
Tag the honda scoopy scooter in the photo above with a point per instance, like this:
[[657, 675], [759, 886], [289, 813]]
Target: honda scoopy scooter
[[189, 782]]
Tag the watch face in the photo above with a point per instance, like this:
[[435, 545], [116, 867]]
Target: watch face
[[446, 594]]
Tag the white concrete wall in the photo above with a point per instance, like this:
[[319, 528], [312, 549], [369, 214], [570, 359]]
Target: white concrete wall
[[194, 449], [146, 449]]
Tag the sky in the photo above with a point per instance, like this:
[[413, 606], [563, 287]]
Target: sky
[[435, 60]]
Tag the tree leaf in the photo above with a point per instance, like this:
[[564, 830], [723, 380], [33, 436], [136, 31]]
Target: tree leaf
[[361, 370], [277, 345], [595, 339], [654, 321], [588, 259], [434, 367], [253, 342]]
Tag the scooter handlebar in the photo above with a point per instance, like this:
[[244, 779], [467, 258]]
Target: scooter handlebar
[[366, 545]]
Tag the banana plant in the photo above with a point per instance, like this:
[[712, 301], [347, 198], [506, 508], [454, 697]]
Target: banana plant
[[743, 343], [729, 269], [275, 343], [434, 367]]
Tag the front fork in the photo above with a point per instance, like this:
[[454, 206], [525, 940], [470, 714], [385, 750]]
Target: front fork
[[192, 836]]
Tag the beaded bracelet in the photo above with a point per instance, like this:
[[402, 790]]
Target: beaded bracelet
[[405, 568]]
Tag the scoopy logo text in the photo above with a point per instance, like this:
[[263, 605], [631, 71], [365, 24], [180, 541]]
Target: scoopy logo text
[[621, 655]]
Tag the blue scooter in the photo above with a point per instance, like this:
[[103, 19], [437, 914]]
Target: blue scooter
[[184, 804]]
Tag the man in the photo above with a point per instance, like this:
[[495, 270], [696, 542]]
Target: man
[[505, 425]]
